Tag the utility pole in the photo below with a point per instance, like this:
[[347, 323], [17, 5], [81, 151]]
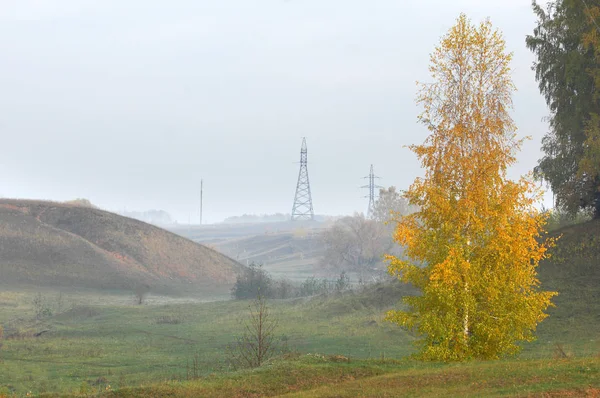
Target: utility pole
[[201, 193], [303, 208], [371, 194]]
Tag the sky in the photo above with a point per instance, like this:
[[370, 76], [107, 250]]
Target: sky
[[130, 103]]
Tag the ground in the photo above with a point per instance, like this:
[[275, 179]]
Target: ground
[[92, 342]]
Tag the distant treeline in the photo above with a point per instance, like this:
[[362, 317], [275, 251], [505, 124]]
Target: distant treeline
[[257, 281], [256, 218], [155, 217], [266, 218]]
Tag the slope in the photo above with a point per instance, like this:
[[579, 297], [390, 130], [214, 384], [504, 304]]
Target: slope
[[574, 272], [46, 243]]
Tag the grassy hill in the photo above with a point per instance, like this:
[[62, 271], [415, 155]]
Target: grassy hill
[[574, 272], [54, 244], [286, 255]]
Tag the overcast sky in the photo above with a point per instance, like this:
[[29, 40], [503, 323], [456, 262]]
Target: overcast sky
[[129, 103]]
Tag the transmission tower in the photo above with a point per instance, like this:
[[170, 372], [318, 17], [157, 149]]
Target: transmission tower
[[303, 209], [371, 188]]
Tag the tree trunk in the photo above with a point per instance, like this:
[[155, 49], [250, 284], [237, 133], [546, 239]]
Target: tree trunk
[[466, 318]]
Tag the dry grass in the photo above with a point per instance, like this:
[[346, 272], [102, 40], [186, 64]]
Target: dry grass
[[60, 244]]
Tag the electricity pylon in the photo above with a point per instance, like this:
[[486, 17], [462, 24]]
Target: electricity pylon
[[303, 208], [371, 194]]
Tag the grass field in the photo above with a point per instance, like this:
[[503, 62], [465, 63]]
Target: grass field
[[314, 376], [102, 344], [100, 341], [127, 345]]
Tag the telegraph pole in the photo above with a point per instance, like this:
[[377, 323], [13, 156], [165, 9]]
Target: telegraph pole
[[201, 194]]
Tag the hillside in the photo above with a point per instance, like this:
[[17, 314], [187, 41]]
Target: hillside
[[288, 250], [284, 255], [574, 272], [54, 244]]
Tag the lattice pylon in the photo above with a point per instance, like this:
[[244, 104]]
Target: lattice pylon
[[303, 208], [371, 188]]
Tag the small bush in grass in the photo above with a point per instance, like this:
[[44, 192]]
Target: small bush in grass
[[310, 287], [313, 286], [250, 283], [40, 306], [258, 341], [140, 293], [283, 289], [342, 283]]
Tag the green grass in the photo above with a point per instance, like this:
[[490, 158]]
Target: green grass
[[322, 376], [105, 340], [124, 345], [92, 346], [504, 378], [573, 272]]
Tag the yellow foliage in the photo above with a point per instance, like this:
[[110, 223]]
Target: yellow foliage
[[474, 245]]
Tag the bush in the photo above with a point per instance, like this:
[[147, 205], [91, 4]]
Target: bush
[[310, 287], [559, 218], [41, 307], [342, 283], [258, 342], [256, 280], [313, 286], [252, 282], [81, 202], [140, 292], [283, 289]]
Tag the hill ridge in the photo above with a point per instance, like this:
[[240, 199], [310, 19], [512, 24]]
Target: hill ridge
[[130, 250]]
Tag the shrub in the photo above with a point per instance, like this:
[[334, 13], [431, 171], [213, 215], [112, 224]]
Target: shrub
[[559, 218], [40, 306], [313, 286], [140, 293], [283, 289], [252, 282], [342, 283], [258, 343]]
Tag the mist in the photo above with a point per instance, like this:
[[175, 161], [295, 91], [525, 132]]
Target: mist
[[130, 104]]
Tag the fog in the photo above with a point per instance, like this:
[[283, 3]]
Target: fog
[[130, 103]]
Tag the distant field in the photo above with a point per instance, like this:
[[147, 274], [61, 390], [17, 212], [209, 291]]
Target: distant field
[[286, 250]]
